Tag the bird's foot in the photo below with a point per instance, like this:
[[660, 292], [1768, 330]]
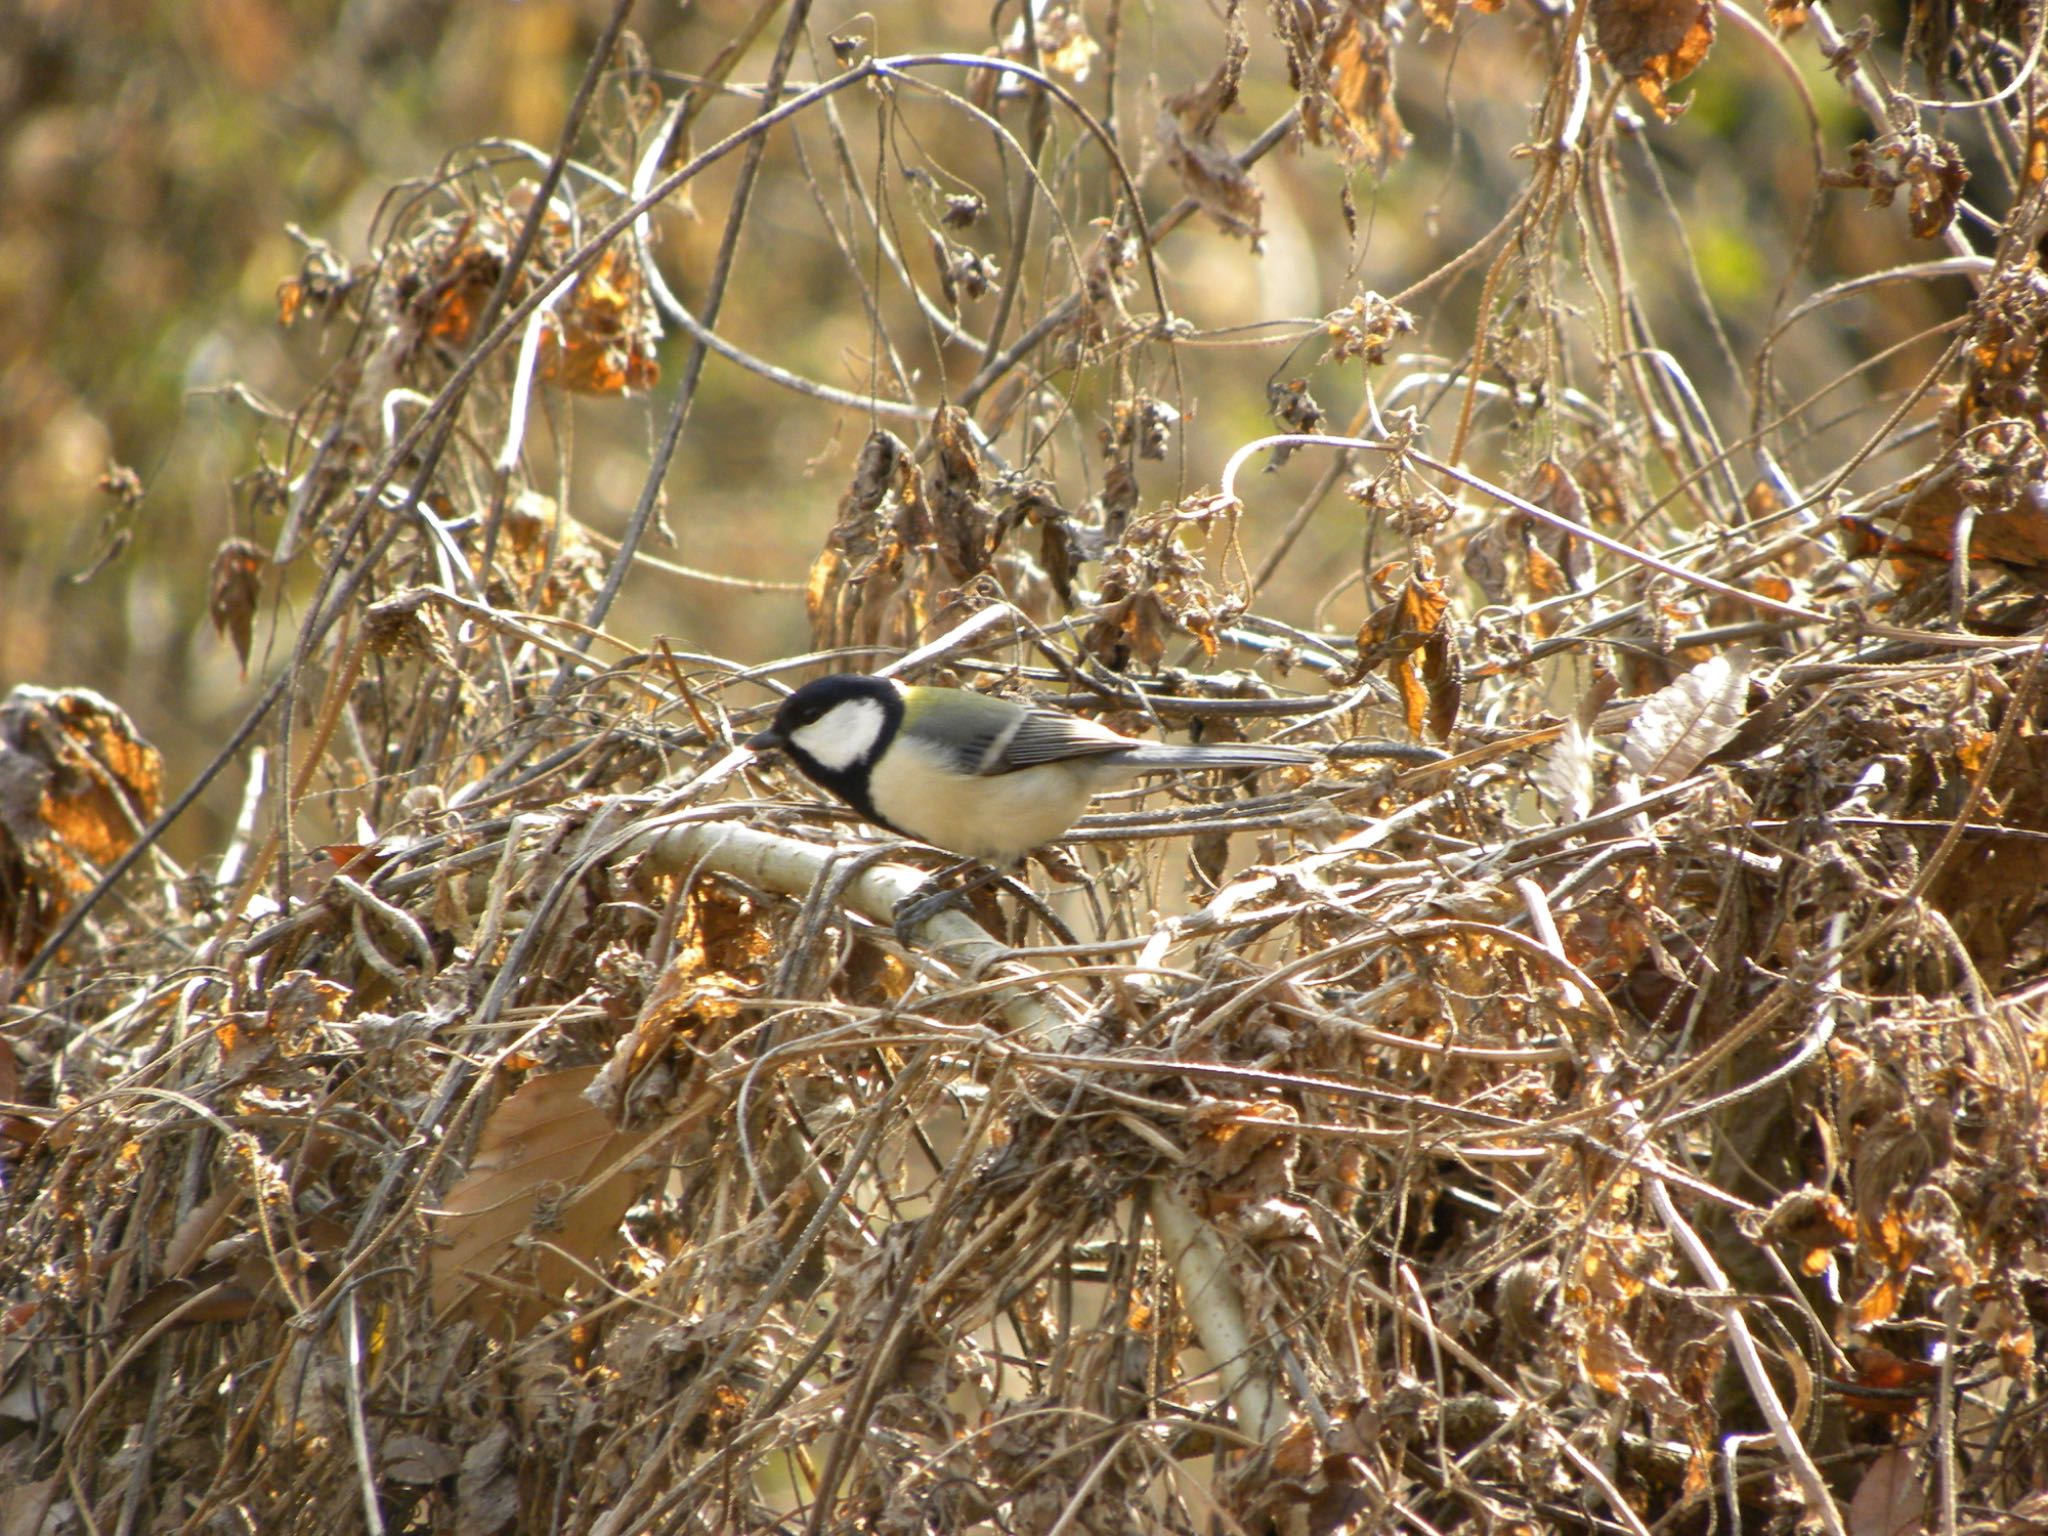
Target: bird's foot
[[936, 895], [919, 908]]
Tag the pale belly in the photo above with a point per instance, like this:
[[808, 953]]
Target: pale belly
[[1010, 813]]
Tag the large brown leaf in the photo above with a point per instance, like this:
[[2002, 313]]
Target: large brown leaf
[[540, 1205]]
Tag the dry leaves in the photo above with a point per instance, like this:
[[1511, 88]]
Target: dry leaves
[[1353, 108], [1411, 635], [844, 1234], [1208, 172], [1932, 170], [1155, 587], [233, 589], [1655, 43], [77, 784]]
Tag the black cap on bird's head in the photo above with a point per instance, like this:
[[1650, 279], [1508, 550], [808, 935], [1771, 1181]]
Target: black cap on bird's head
[[833, 729], [815, 700]]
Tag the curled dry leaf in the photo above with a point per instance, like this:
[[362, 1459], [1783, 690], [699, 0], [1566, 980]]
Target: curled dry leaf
[[1814, 1222], [1354, 109], [1064, 41], [855, 593], [1187, 135], [1141, 426], [1887, 1385], [603, 334], [964, 272], [418, 1460], [1553, 488], [910, 535], [77, 784], [1296, 410], [549, 554], [1932, 170], [1413, 621], [1655, 43], [487, 1487], [1153, 587], [232, 590], [1614, 1364], [408, 625], [1364, 329], [950, 501], [1241, 1153]]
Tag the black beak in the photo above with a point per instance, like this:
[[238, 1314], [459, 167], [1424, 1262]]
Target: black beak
[[764, 741]]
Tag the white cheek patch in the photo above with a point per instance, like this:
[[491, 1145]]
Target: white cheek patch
[[844, 735]]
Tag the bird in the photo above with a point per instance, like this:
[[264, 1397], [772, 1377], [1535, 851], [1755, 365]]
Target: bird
[[986, 778]]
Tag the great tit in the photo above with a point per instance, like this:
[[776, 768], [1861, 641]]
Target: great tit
[[979, 776]]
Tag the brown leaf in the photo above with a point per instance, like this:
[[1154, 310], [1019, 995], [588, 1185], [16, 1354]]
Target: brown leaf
[[1058, 546], [232, 591], [202, 1226], [408, 625], [1065, 43], [547, 1187], [1443, 674], [1814, 1221], [1153, 587], [1931, 169], [76, 785], [1892, 1386], [1295, 409], [1926, 524], [1546, 581], [551, 555], [1553, 488], [1655, 43], [1411, 624], [603, 334], [26, 1511], [1241, 1152], [1356, 106], [1889, 1500], [1613, 1364], [1880, 1302], [487, 1487], [1187, 135], [408, 1458]]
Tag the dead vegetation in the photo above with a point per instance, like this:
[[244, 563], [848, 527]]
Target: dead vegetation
[[1618, 1105]]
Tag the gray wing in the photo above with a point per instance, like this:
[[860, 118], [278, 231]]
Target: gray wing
[[986, 736], [1047, 736]]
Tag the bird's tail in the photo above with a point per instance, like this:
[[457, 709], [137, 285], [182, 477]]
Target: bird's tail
[[1158, 757]]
